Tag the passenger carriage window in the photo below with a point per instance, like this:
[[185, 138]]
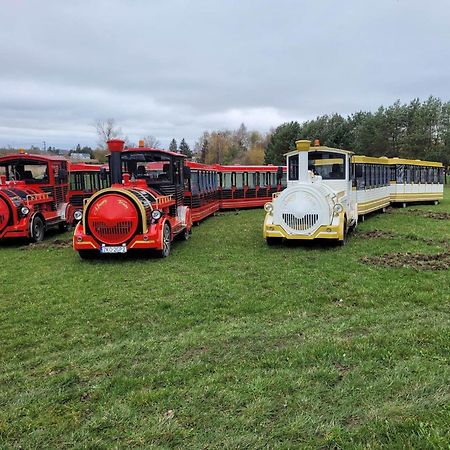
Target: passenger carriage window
[[423, 175], [239, 180], [400, 173], [226, 180], [251, 180], [293, 167], [194, 182], [417, 175]]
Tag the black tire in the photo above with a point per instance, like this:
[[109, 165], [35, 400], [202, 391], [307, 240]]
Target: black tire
[[87, 254], [274, 241], [165, 252], [37, 229]]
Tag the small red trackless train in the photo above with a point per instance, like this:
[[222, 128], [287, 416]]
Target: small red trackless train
[[38, 192], [33, 195], [156, 195]]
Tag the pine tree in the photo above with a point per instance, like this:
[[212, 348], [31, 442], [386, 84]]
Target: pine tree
[[184, 149], [173, 146]]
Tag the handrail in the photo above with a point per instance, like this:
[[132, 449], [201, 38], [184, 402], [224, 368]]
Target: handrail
[[162, 200], [37, 197]]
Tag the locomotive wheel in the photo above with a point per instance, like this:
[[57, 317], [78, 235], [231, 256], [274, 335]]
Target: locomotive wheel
[[165, 252], [274, 241], [37, 230]]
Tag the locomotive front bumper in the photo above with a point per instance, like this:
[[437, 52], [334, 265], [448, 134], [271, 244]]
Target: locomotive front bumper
[[141, 241], [333, 231]]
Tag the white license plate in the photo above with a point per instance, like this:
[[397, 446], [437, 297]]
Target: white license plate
[[113, 249]]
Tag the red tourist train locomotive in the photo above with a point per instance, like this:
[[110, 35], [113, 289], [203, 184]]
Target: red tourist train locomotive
[[33, 195], [143, 209]]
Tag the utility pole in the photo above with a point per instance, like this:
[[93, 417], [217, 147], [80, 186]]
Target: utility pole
[[44, 146]]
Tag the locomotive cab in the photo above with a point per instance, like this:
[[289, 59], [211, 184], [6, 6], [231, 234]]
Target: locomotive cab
[[318, 200]]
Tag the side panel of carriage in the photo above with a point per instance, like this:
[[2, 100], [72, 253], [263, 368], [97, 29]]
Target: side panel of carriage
[[416, 181], [201, 191], [249, 186], [371, 183]]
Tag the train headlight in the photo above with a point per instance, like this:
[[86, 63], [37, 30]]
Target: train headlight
[[156, 214], [77, 215], [268, 207], [338, 208], [24, 210]]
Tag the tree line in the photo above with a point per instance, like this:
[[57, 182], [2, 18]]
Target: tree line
[[417, 130]]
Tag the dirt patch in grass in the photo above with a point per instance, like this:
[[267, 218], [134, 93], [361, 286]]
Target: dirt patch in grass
[[56, 243], [377, 234], [418, 261], [429, 214]]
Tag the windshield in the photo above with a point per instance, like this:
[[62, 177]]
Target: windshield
[[28, 171], [329, 165], [153, 167]]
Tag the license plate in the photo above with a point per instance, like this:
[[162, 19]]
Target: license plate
[[113, 249]]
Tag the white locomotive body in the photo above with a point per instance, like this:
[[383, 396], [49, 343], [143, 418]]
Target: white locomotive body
[[318, 202]]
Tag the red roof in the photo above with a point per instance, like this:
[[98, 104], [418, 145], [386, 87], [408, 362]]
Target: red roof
[[155, 150], [32, 156]]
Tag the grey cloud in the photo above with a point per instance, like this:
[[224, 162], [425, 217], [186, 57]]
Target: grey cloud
[[175, 68]]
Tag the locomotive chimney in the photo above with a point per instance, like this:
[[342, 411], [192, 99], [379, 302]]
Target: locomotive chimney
[[115, 146], [303, 147]]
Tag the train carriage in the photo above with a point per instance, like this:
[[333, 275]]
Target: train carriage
[[249, 186], [202, 190], [370, 183], [33, 195], [416, 181]]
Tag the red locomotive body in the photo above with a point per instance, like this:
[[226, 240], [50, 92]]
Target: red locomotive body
[[33, 195], [143, 208]]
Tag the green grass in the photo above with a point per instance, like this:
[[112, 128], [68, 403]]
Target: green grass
[[229, 343]]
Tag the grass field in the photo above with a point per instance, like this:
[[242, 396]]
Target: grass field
[[230, 343]]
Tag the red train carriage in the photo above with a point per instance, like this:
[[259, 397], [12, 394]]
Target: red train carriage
[[249, 186], [33, 195], [202, 190], [85, 179], [143, 209]]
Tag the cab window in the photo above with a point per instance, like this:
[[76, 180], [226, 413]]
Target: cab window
[[329, 165]]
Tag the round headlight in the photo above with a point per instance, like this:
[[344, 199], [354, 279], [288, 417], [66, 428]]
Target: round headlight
[[268, 207], [338, 208], [78, 214], [156, 214], [24, 210]]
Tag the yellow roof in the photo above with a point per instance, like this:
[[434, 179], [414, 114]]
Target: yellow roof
[[415, 162], [370, 159]]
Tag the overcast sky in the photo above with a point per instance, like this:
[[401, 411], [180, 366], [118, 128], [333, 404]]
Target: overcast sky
[[174, 68]]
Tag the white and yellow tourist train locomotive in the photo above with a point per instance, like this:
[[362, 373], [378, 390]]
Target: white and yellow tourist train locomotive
[[328, 189]]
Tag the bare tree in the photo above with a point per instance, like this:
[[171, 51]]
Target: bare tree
[[151, 141], [106, 130]]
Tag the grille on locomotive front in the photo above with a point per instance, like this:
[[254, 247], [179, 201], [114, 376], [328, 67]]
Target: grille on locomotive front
[[119, 232], [300, 224]]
